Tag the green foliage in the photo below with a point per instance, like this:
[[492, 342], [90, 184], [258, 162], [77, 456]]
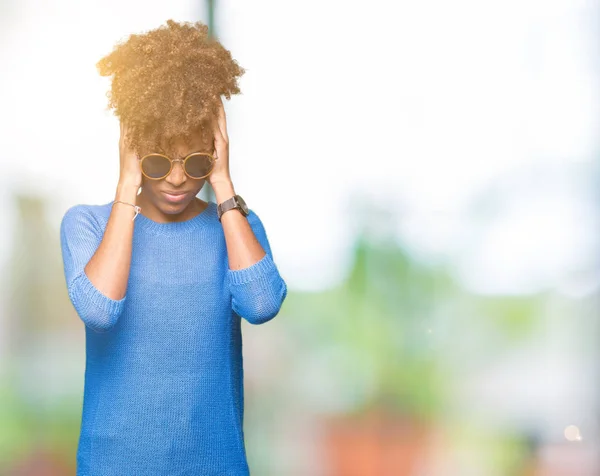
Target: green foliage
[[26, 426], [384, 322], [514, 317]]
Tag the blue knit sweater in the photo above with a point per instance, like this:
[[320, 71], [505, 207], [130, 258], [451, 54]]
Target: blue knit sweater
[[163, 392]]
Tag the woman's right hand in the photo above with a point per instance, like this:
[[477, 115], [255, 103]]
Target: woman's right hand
[[131, 171]]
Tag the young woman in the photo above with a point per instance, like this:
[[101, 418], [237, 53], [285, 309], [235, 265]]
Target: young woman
[[162, 279]]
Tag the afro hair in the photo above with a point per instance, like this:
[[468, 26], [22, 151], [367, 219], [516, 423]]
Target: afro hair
[[167, 83]]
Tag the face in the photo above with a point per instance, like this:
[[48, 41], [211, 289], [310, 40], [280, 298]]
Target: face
[[156, 192]]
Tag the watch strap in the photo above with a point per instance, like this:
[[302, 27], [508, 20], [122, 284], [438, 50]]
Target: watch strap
[[229, 204]]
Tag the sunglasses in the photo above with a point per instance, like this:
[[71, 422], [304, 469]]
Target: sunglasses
[[196, 165]]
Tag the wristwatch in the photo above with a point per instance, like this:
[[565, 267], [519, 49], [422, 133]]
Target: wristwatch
[[234, 202]]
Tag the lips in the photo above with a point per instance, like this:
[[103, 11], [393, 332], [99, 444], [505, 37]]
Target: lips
[[175, 196]]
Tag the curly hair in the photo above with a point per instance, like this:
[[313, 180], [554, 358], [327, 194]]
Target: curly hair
[[167, 83]]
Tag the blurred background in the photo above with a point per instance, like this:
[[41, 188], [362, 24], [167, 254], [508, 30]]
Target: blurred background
[[439, 233]]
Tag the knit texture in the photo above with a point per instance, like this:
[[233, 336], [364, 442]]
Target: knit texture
[[163, 391]]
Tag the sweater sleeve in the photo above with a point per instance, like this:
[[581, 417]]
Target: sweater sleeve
[[258, 291], [80, 237]]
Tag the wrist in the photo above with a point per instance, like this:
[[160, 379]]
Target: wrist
[[223, 190], [125, 183], [126, 191]]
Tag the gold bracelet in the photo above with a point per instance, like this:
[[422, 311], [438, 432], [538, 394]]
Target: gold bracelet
[[137, 209]]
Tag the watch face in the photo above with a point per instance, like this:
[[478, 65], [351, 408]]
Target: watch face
[[243, 205]]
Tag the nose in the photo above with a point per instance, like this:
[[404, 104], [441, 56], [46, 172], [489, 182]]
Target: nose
[[177, 175]]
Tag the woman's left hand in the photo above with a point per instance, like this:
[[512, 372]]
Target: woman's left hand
[[220, 173]]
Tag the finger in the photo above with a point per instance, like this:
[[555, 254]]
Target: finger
[[216, 130], [217, 119], [124, 133], [221, 120], [219, 142]]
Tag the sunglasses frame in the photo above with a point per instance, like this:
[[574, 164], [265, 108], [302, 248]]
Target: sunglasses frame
[[183, 161]]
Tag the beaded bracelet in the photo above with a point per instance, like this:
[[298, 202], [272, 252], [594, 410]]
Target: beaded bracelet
[[137, 209]]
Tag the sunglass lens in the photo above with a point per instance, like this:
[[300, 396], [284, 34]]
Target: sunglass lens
[[198, 165], [156, 166]]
